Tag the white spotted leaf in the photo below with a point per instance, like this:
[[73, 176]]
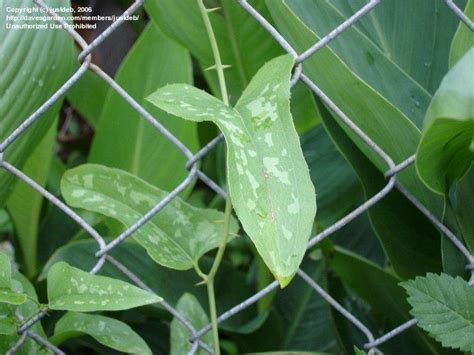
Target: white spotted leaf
[[107, 331], [176, 237], [444, 307], [268, 178], [188, 306], [71, 289]]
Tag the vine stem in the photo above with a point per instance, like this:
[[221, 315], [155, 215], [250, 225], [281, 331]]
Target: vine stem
[[209, 278], [215, 50]]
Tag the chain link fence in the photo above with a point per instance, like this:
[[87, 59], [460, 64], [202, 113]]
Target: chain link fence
[[391, 175]]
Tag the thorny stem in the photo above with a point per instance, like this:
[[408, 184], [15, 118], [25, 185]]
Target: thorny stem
[[215, 50], [209, 278]]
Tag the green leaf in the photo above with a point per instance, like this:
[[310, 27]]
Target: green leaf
[[465, 207], [168, 283], [71, 289], [384, 123], [376, 64], [446, 149], [154, 61], [32, 71], [25, 203], [107, 331], [463, 39], [444, 307], [176, 237], [189, 307], [428, 27], [268, 179], [357, 351]]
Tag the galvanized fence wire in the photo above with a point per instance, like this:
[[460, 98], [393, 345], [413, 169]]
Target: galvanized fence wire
[[393, 169]]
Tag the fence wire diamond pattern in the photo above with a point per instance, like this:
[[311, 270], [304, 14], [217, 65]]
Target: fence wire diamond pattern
[[391, 175]]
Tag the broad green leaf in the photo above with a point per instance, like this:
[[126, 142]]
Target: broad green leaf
[[357, 351], [168, 283], [379, 288], [427, 26], [446, 149], [189, 307], [375, 64], [409, 240], [154, 61], [465, 207], [268, 179], [71, 289], [25, 203], [107, 331], [463, 39], [176, 237], [384, 123], [32, 71], [243, 44], [444, 307]]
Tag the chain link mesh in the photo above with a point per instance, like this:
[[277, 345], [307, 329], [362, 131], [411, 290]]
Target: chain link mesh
[[192, 165]]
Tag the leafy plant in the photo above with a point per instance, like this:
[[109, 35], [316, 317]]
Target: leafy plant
[[268, 199]]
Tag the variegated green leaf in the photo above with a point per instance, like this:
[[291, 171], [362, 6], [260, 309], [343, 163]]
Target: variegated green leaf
[[176, 237], [446, 149], [72, 289], [190, 308], [268, 178], [107, 331]]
